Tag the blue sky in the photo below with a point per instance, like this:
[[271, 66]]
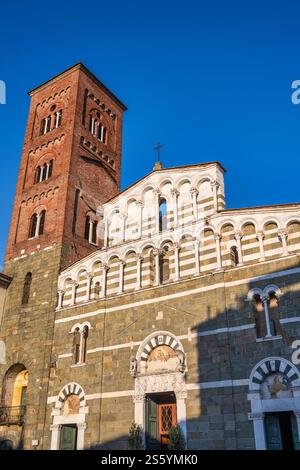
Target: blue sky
[[209, 79]]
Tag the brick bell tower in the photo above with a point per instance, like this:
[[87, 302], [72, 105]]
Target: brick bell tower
[[70, 165]]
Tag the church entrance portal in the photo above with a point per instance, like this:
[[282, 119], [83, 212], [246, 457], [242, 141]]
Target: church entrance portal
[[161, 415], [281, 431]]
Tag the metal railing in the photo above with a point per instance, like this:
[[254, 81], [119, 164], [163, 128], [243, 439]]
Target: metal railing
[[12, 415]]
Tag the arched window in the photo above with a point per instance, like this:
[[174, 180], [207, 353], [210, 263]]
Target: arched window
[[275, 326], [266, 313], [85, 333], [164, 265], [37, 174], [163, 223], [52, 121], [96, 127], [13, 398], [37, 224], [26, 288], [90, 230], [80, 335], [42, 222], [234, 256], [76, 345], [259, 316], [44, 172], [33, 226], [97, 289]]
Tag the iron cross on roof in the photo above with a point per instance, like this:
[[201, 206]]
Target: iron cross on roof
[[157, 148]]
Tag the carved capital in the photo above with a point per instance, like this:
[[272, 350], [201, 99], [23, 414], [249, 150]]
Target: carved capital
[[282, 234], [105, 267], [215, 185], [260, 235], [217, 236], [238, 235], [174, 192], [194, 191]]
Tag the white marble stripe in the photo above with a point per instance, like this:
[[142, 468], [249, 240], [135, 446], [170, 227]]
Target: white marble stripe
[[289, 320], [168, 339], [191, 386]]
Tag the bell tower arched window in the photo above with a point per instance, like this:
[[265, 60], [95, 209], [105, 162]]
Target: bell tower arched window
[[37, 224], [163, 223], [44, 172], [52, 121], [97, 128]]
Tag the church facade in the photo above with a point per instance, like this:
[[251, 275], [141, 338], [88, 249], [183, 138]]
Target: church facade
[[155, 305]]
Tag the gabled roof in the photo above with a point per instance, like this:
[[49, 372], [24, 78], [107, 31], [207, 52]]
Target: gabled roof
[[161, 170]]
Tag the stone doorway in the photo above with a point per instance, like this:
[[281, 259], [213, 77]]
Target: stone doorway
[[68, 437], [281, 431], [161, 415]]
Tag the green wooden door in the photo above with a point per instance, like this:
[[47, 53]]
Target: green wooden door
[[295, 432], [68, 437], [152, 441], [273, 432]]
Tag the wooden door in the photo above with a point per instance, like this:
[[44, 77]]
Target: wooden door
[[273, 432], [167, 419], [68, 437], [152, 424]]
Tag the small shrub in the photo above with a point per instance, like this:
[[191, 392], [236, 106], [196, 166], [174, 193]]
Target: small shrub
[[135, 439], [177, 440]]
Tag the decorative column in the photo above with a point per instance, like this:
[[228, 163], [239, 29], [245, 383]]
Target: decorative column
[[175, 195], [121, 276], [46, 125], [106, 227], [88, 286], [139, 413], [105, 268], [91, 223], [176, 258], [197, 261], [80, 436], [156, 208], [61, 293], [260, 238], [74, 287], [37, 228], [124, 218], [259, 430], [215, 187], [139, 260], [140, 206], [218, 250], [55, 431], [238, 237], [181, 412], [47, 170], [156, 254], [194, 193], [283, 237], [265, 301], [57, 119]]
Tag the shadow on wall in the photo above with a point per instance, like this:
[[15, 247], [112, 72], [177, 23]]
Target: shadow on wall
[[236, 333], [251, 328]]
